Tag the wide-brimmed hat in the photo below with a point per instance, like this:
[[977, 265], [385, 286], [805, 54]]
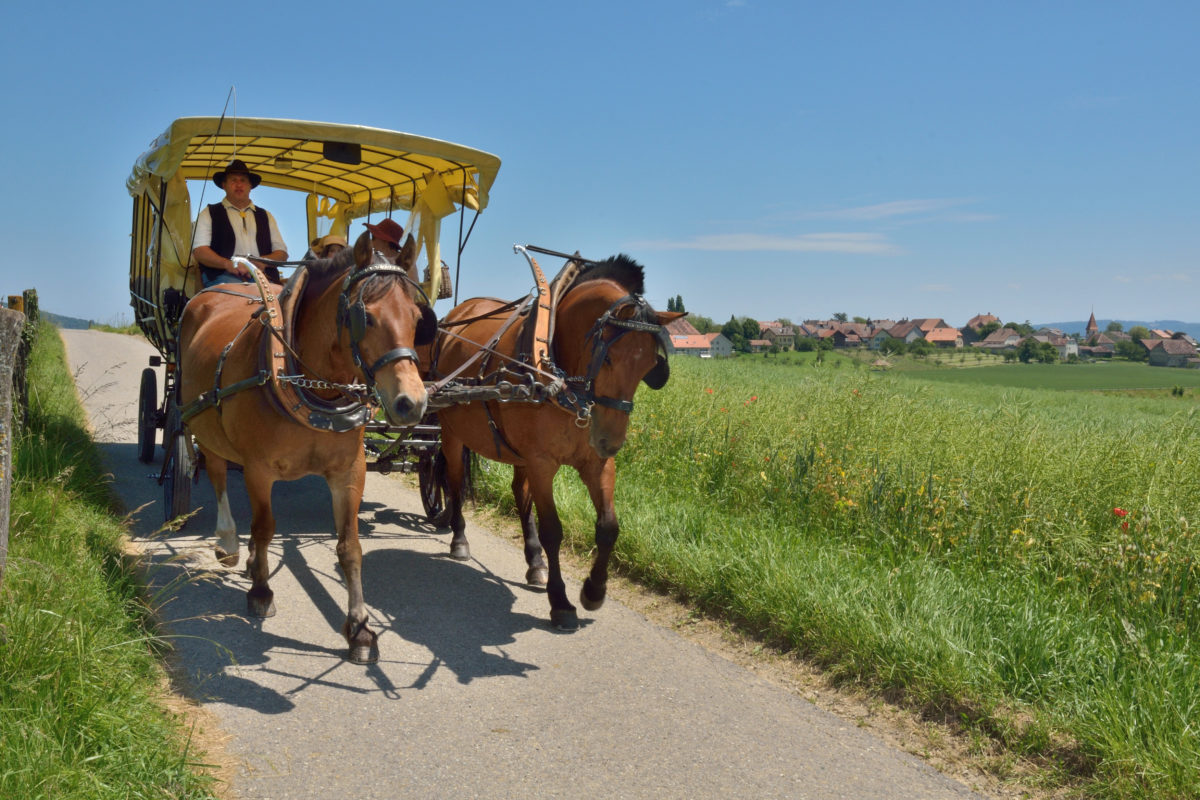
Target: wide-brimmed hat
[[389, 230], [325, 241], [235, 166]]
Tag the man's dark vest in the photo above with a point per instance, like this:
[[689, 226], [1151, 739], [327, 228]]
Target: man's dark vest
[[222, 235]]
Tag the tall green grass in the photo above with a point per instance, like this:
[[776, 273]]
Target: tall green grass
[[1025, 561], [79, 704]]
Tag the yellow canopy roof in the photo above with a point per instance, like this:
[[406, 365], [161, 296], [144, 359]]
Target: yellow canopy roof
[[366, 169]]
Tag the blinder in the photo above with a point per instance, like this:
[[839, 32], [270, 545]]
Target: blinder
[[354, 316], [656, 378], [427, 327]]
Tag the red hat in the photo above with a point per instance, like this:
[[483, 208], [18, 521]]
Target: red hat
[[389, 230]]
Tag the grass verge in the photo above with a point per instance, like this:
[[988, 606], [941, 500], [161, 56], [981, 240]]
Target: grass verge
[[80, 705], [1023, 561]]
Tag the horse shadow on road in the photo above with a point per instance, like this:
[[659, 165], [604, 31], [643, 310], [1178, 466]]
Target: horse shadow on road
[[432, 613]]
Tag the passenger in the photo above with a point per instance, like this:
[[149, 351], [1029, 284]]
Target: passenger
[[329, 246], [387, 237], [236, 226]]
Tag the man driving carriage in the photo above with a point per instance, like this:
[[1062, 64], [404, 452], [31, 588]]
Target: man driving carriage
[[236, 226]]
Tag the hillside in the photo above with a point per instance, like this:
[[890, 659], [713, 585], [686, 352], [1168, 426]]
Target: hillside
[[70, 323], [1078, 326]]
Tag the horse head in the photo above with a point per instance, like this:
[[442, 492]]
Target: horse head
[[383, 320], [610, 339]]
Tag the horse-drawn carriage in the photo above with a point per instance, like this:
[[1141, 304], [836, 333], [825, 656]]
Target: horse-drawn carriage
[[345, 367], [344, 173]]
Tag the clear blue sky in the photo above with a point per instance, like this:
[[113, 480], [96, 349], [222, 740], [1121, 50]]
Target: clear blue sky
[[767, 159]]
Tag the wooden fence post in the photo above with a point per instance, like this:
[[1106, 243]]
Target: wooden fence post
[[12, 324]]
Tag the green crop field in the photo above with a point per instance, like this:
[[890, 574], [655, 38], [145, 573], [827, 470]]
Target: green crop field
[[1020, 559], [1098, 376]]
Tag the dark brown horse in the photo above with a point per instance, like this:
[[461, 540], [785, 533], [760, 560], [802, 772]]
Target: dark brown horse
[[355, 321], [607, 339]]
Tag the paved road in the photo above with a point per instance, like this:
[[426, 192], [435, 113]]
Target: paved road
[[474, 695]]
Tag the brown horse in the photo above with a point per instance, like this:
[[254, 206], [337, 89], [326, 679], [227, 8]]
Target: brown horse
[[607, 338], [356, 320]]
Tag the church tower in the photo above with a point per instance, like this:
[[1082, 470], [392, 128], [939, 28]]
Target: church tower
[[1092, 327]]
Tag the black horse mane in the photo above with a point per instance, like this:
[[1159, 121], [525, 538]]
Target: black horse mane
[[620, 268]]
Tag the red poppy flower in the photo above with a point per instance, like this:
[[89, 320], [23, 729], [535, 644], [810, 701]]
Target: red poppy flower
[[708, 390], [1120, 512]]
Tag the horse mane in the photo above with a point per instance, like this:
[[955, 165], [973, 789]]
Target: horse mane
[[619, 268], [324, 271]]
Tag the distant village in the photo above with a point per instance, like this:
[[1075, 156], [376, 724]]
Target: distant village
[[985, 332]]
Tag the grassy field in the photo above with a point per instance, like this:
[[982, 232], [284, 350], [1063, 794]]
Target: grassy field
[[80, 712], [1111, 376], [1023, 560]]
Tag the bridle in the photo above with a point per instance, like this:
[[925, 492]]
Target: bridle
[[582, 393], [353, 315]]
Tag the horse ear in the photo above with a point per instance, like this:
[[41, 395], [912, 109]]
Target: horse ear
[[362, 249], [408, 256], [427, 327]]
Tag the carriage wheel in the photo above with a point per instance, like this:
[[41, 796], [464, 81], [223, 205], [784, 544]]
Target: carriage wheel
[[431, 477], [177, 480], [147, 415]]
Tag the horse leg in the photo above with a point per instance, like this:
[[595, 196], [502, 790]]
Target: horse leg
[[541, 486], [346, 490], [460, 549], [536, 574], [600, 479], [227, 542], [260, 600]]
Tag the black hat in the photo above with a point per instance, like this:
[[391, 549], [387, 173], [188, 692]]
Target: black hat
[[237, 165]]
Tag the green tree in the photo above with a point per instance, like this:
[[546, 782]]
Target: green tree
[[988, 328], [670, 304], [751, 329], [1114, 327], [1139, 332], [1131, 350], [702, 323], [841, 316], [679, 304], [920, 347], [732, 327]]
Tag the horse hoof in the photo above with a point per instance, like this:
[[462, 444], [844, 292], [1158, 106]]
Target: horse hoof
[[227, 559], [564, 619], [364, 654], [589, 603], [460, 552], [537, 576], [261, 606]]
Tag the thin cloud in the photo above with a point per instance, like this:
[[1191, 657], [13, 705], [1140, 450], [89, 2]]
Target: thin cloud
[[859, 243], [937, 288], [901, 211]]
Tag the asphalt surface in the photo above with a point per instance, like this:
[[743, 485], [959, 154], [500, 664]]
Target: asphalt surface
[[475, 695]]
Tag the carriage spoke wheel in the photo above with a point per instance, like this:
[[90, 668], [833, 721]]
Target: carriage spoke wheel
[[147, 421], [435, 496], [177, 474], [431, 477]]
